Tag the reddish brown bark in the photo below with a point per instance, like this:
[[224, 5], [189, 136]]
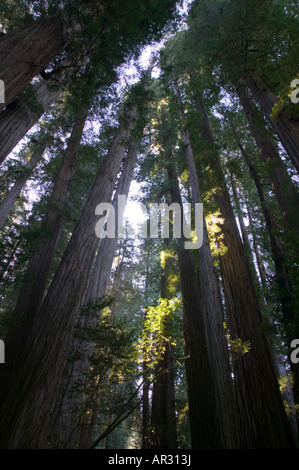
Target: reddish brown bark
[[286, 128], [282, 274], [281, 183], [163, 421], [17, 120], [70, 418], [203, 416], [213, 314], [25, 52], [37, 274], [13, 194], [265, 424], [30, 380]]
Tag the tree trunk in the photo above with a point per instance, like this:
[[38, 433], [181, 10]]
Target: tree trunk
[[282, 185], [247, 247], [28, 395], [265, 424], [77, 372], [100, 277], [145, 372], [282, 276], [13, 194], [213, 314], [257, 268], [17, 119], [286, 128], [256, 249], [34, 285], [203, 413], [36, 277], [163, 420], [282, 271], [240, 216], [25, 52]]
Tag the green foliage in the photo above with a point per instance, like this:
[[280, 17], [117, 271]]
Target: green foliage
[[224, 41], [152, 344], [14, 13], [237, 346], [113, 350]]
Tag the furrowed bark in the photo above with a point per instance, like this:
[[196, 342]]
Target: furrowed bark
[[247, 246], [203, 417], [30, 385], [67, 428], [213, 313], [256, 249], [239, 211], [146, 380], [163, 421], [286, 128], [282, 274], [34, 286], [264, 420], [25, 52], [282, 185], [17, 119], [98, 284], [13, 194], [282, 270]]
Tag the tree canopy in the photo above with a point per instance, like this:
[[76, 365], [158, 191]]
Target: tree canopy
[[149, 225]]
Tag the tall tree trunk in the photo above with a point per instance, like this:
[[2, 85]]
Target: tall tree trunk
[[114, 290], [256, 249], [203, 413], [25, 52], [36, 277], [163, 420], [13, 194], [282, 270], [18, 118], [100, 277], [213, 313], [77, 372], [286, 128], [258, 273], [289, 393], [282, 185], [109, 251], [201, 395], [145, 405], [265, 424], [282, 275], [240, 216], [257, 268], [30, 379], [34, 285], [145, 373]]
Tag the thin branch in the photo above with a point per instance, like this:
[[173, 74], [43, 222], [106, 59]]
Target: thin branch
[[119, 419]]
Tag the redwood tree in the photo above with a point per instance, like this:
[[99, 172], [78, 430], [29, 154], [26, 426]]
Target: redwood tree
[[39, 360], [25, 52], [245, 323]]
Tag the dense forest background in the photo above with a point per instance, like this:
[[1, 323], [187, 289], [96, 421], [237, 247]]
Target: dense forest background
[[136, 342]]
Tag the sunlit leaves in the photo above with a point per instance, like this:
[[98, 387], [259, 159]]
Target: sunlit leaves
[[214, 222], [155, 334]]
